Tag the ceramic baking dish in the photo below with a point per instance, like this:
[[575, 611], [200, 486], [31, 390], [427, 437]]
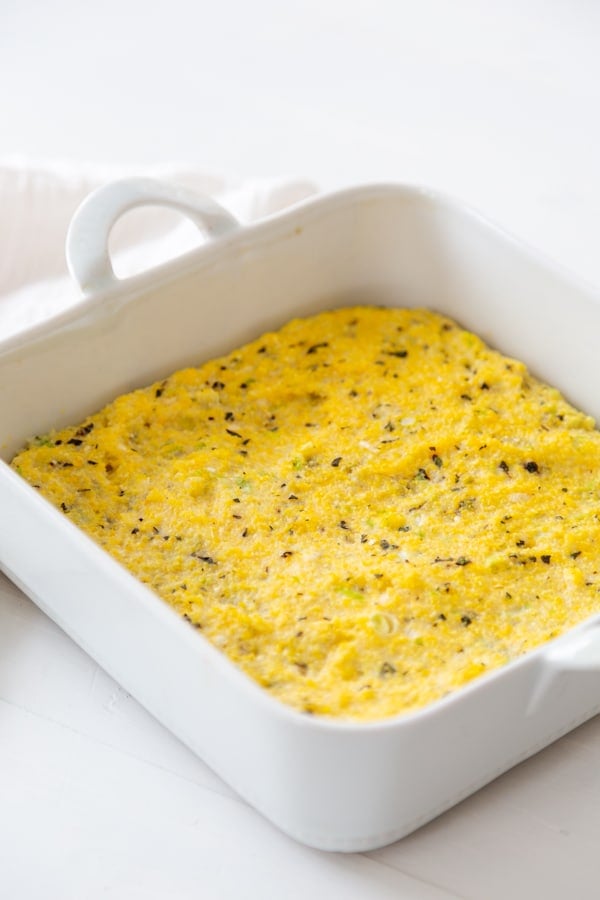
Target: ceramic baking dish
[[331, 784]]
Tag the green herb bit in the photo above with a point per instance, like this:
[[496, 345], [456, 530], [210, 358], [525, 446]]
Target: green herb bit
[[384, 623], [350, 592]]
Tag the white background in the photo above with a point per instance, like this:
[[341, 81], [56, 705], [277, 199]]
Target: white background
[[495, 103]]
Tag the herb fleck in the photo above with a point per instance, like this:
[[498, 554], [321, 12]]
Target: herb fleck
[[387, 669]]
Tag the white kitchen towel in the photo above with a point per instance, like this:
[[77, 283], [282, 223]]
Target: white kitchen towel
[[37, 202]]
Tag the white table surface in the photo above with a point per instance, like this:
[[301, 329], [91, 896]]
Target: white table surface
[[498, 106]]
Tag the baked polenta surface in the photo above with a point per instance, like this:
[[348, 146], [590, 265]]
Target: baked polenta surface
[[364, 510]]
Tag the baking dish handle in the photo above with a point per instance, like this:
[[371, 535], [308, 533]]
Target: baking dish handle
[[87, 251], [579, 652]]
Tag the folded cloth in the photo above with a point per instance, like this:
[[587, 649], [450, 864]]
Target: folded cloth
[[37, 202]]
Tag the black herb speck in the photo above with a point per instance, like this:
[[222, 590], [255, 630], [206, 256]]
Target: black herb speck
[[531, 466], [401, 354], [462, 561], [233, 433], [545, 558], [344, 525], [466, 620], [504, 466], [287, 553], [229, 417], [217, 385], [575, 554], [316, 347], [206, 559], [437, 460], [77, 442], [335, 462]]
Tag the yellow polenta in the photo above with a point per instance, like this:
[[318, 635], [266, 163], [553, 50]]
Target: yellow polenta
[[364, 510]]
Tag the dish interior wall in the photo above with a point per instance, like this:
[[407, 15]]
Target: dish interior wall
[[388, 247]]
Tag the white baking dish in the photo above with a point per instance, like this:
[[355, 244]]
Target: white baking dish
[[330, 784]]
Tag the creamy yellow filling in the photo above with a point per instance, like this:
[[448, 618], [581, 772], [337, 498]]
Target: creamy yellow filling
[[364, 510]]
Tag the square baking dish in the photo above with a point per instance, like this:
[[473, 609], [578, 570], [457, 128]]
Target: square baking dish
[[331, 784]]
